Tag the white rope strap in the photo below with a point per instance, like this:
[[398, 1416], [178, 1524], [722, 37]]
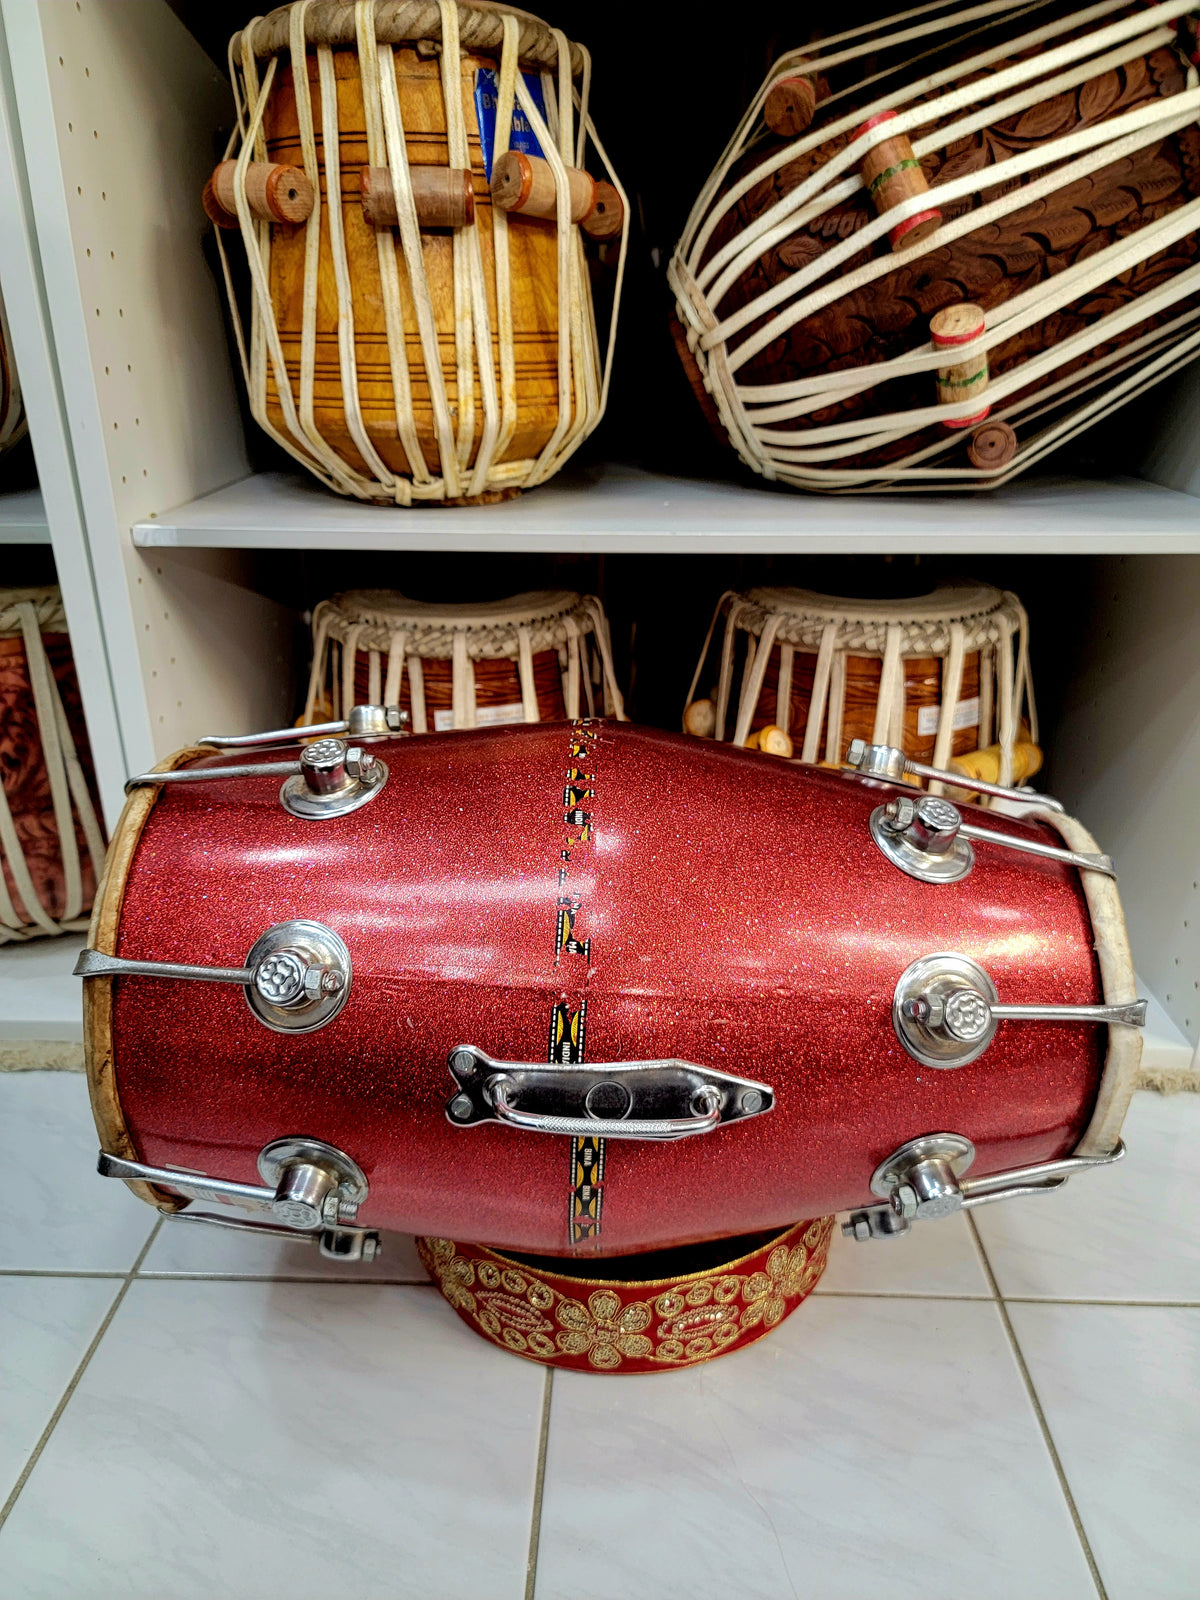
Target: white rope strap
[[416, 692], [822, 672], [571, 689], [529, 704], [952, 676], [783, 687]]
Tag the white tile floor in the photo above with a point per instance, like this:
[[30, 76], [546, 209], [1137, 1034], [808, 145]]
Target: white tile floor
[[194, 1415]]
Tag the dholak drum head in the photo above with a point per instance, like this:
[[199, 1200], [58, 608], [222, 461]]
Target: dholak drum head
[[649, 1313]]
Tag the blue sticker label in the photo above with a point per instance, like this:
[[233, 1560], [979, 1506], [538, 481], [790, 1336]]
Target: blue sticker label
[[523, 138]]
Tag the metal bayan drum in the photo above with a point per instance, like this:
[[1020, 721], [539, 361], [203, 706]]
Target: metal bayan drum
[[935, 675], [530, 658], [965, 228], [588, 990], [431, 335]]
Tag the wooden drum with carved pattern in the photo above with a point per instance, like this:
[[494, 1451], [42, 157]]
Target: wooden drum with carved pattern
[[939, 247]]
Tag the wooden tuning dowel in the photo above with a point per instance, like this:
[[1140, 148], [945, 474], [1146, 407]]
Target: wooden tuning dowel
[[959, 325], [992, 446], [789, 106], [700, 719], [274, 194], [891, 174], [444, 197], [525, 184]]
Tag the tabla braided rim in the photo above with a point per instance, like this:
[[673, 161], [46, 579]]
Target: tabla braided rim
[[583, 1322]]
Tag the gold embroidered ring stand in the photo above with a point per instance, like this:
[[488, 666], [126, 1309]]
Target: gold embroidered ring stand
[[709, 1301]]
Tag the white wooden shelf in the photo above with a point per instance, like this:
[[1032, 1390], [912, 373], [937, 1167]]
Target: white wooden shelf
[[1165, 1049], [23, 517], [41, 1008], [617, 509], [39, 999]]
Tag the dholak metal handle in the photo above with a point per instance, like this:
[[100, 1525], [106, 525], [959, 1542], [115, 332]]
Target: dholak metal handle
[[601, 1127]]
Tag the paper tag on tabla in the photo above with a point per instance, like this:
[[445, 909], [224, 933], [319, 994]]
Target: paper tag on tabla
[[523, 138], [485, 717], [966, 715]]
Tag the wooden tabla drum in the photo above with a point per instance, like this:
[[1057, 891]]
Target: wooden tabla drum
[[51, 844], [12, 410], [934, 251], [532, 658], [585, 993], [414, 340], [938, 676]]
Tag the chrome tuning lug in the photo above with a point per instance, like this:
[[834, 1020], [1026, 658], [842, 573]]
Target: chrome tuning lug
[[886, 762], [296, 977], [924, 837], [311, 1191], [363, 723], [927, 838], [946, 1010], [924, 1179], [333, 778], [330, 778]]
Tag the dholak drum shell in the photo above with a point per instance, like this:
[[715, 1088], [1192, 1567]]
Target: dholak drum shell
[[531, 658], [429, 364], [724, 910], [51, 844], [1060, 156], [934, 675]]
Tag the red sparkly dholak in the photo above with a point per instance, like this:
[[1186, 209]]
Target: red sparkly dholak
[[553, 1312]]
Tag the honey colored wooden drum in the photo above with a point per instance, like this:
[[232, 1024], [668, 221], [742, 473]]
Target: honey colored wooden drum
[[411, 340], [939, 676], [531, 658]]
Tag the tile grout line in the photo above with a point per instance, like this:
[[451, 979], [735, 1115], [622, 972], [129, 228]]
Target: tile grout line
[[65, 1397], [282, 1277], [1035, 1402], [535, 1520]]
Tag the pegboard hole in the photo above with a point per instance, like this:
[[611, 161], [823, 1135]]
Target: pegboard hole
[[89, 255], [70, 127]]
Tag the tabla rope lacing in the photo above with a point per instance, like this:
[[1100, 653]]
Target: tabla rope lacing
[[692, 245], [68, 787], [13, 425], [464, 467], [832, 639], [517, 638], [706, 336]]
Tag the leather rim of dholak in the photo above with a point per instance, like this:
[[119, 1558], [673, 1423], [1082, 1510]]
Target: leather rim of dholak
[[568, 1317], [103, 1090]]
